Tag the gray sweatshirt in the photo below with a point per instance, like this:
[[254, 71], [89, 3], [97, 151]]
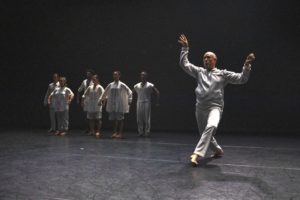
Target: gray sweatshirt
[[210, 89]]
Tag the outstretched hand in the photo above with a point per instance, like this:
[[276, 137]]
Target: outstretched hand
[[250, 58], [183, 41]]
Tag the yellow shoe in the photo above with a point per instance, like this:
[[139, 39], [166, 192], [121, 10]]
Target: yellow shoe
[[194, 160]]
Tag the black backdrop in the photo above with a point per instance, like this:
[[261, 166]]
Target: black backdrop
[[41, 37]]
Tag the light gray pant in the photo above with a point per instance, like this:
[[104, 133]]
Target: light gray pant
[[143, 115], [208, 120], [63, 120], [52, 118]]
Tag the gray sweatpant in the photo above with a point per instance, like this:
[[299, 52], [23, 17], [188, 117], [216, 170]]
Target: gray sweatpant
[[62, 120], [143, 115], [52, 118], [208, 120]]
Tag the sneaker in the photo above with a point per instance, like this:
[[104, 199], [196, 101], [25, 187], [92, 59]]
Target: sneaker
[[194, 160]]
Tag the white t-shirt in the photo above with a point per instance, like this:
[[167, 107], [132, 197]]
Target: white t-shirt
[[144, 92]]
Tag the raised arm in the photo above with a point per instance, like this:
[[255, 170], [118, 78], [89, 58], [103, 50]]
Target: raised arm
[[188, 67], [240, 78]]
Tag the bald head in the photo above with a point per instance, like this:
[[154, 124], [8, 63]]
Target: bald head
[[209, 60]]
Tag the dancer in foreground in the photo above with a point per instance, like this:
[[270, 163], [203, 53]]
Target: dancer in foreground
[[61, 97], [94, 111], [118, 97], [50, 89], [210, 96], [144, 90]]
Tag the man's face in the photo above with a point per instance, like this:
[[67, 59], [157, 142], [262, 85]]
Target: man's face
[[143, 76], [62, 82], [55, 78], [88, 75], [116, 76], [95, 80], [209, 60]]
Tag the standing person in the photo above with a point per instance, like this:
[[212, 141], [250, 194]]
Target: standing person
[[118, 97], [50, 89], [84, 85], [94, 111], [61, 98], [144, 90], [210, 96]]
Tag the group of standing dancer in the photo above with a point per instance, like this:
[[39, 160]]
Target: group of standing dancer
[[117, 97]]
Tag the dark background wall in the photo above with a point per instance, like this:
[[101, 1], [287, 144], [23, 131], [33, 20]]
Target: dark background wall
[[41, 37]]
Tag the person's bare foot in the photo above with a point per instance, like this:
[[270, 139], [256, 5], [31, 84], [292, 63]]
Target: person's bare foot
[[57, 133], [51, 131], [63, 133], [98, 135], [118, 136], [219, 153], [114, 135]]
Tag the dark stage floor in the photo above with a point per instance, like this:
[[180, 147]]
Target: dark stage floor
[[38, 166]]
